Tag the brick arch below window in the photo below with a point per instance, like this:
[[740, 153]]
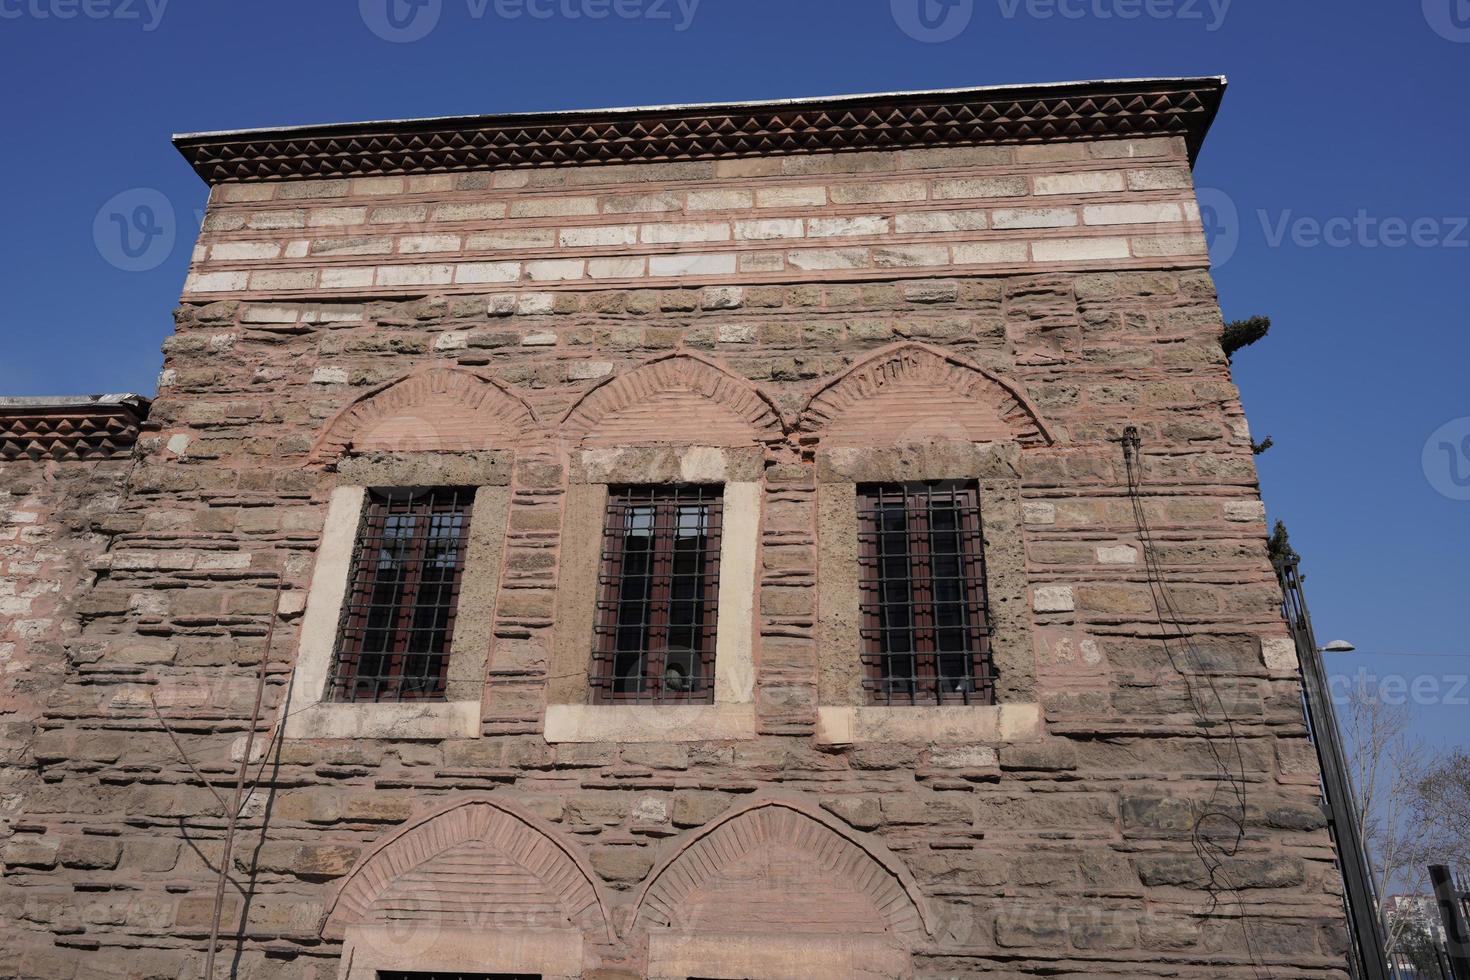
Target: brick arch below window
[[775, 867], [912, 392], [680, 399], [433, 410], [480, 864]]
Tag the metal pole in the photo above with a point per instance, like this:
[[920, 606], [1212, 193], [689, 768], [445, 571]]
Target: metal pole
[[1364, 924], [1448, 897]]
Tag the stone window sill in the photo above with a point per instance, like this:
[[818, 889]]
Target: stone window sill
[[961, 724], [649, 723], [425, 720]]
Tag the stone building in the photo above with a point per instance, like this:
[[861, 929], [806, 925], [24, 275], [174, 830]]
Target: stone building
[[800, 539]]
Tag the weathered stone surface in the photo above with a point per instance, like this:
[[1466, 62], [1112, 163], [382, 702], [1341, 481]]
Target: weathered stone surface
[[1061, 845]]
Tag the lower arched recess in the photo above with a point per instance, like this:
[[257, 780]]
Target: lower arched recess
[[776, 889]]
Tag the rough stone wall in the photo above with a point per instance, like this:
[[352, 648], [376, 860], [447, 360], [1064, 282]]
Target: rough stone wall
[[1074, 854], [55, 518]]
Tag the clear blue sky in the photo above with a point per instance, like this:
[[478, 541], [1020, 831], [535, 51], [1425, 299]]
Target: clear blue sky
[[1335, 110]]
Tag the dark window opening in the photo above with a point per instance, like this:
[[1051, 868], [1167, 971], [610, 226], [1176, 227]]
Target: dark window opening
[[658, 595], [399, 618], [925, 619]]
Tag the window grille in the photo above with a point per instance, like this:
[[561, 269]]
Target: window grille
[[658, 595], [399, 619], [925, 619]]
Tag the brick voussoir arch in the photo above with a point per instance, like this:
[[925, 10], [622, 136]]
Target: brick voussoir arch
[[888, 370], [461, 410], [866, 867], [727, 408], [504, 827]]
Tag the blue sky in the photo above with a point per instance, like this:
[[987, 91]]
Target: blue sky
[[1335, 176]]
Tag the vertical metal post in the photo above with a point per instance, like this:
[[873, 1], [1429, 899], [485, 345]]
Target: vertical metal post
[[1364, 924], [1451, 902]]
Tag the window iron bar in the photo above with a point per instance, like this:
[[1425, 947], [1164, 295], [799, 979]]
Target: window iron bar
[[926, 625], [658, 595], [398, 622]]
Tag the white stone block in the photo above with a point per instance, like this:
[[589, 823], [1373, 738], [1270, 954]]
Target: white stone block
[[732, 333], [1053, 599], [418, 244], [453, 340], [933, 222], [479, 272], [556, 270], [1245, 510], [987, 253], [215, 282], [238, 251], [603, 236], [1079, 249], [1122, 554], [1131, 214], [692, 264], [347, 278], [329, 376], [1034, 218], [768, 229], [840, 227], [1094, 182], [720, 200], [1279, 653], [791, 197], [415, 275], [669, 234], [1038, 512], [588, 370], [628, 267]]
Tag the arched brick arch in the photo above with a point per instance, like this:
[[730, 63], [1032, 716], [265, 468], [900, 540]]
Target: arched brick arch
[[676, 398], [477, 863], [776, 866], [434, 409], [912, 392]]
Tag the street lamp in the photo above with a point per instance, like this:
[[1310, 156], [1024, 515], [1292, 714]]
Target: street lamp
[[1339, 646]]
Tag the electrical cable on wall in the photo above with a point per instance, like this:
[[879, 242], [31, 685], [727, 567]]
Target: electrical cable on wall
[[1209, 847]]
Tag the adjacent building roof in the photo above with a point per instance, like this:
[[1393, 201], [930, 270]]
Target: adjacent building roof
[[1008, 114], [70, 427]]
